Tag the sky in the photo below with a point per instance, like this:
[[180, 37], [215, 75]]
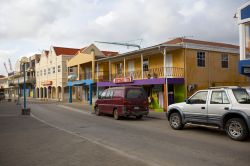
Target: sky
[[29, 26]]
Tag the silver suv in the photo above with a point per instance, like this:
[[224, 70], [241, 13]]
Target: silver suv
[[225, 107]]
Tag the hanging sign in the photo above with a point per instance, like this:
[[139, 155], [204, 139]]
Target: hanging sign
[[122, 80]]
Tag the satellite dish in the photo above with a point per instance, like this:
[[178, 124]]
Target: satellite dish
[[72, 77]]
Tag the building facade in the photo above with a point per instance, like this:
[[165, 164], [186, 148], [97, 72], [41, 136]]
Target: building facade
[[172, 71], [243, 15], [81, 70], [51, 73]]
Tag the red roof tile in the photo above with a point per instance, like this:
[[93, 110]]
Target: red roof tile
[[109, 53], [2, 76], [65, 51], [180, 40]]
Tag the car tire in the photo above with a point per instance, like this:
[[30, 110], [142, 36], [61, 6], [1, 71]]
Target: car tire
[[116, 114], [139, 117], [236, 129], [97, 111], [175, 121]]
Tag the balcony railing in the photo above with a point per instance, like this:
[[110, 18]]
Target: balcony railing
[[171, 72]]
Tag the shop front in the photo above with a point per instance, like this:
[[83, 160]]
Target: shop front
[[161, 91]]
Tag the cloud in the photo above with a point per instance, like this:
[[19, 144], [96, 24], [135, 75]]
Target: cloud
[[31, 26]]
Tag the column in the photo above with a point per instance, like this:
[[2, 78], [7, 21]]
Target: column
[[48, 93], [97, 72], [242, 41], [57, 97], [62, 93], [142, 73], [124, 67], [165, 96], [70, 94], [90, 94], [164, 62], [110, 72]]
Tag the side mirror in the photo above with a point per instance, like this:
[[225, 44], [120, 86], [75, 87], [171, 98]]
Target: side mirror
[[187, 101]]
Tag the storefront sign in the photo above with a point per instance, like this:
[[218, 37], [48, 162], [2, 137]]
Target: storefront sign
[[123, 80], [47, 83], [246, 70]]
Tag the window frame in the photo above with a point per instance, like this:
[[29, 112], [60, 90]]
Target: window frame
[[223, 61], [199, 59], [190, 99], [145, 63], [220, 91]]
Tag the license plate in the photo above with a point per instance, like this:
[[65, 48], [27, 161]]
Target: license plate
[[136, 108]]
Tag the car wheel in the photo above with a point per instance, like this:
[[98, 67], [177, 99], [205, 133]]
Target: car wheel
[[139, 117], [236, 129], [116, 115], [175, 121], [97, 111]]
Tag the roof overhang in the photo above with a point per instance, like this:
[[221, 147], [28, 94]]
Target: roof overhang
[[145, 51]]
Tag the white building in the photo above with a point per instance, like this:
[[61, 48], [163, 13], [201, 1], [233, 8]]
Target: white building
[[51, 72]]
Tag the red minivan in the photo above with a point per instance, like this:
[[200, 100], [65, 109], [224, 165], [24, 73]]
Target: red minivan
[[122, 101]]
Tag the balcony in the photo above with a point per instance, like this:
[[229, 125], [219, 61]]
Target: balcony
[[171, 72]]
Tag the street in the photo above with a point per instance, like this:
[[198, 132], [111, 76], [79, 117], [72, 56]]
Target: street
[[149, 141]]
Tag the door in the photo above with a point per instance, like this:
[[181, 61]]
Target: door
[[170, 94], [102, 100], [131, 68], [195, 109], [218, 105]]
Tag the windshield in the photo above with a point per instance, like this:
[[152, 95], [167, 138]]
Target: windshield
[[241, 96], [134, 93]]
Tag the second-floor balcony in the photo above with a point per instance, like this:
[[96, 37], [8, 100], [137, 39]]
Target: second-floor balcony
[[168, 72]]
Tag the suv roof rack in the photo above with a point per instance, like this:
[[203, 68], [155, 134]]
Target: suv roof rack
[[224, 87]]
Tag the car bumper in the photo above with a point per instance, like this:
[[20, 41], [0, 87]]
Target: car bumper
[[134, 113]]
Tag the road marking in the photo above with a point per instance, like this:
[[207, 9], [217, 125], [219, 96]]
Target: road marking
[[74, 109], [118, 151]]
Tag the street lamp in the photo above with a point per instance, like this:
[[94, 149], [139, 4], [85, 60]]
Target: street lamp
[[25, 110]]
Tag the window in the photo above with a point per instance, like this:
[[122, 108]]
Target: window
[[199, 98], [54, 69], [224, 61], [119, 68], [37, 73], [44, 72], [103, 95], [118, 93], [219, 97], [145, 64], [70, 69], [241, 96], [41, 72], [136, 94], [201, 59], [48, 70], [58, 68]]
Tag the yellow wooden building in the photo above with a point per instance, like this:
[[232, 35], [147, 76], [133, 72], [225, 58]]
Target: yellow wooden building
[[172, 71]]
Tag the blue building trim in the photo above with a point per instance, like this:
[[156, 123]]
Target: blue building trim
[[244, 67], [88, 82], [245, 12]]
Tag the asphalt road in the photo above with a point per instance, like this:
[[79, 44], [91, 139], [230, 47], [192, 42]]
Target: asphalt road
[[149, 141]]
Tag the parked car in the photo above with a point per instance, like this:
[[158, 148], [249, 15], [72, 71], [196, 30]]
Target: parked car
[[122, 101], [2, 96], [225, 107]]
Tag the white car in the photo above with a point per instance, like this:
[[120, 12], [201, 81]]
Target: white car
[[225, 107]]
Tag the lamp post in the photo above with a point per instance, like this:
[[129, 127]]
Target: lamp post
[[25, 110]]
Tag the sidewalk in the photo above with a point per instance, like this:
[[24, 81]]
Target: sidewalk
[[25, 141]]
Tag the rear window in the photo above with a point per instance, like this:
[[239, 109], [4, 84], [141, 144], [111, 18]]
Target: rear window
[[241, 96], [136, 94]]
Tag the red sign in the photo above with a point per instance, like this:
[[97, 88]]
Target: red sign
[[123, 80]]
